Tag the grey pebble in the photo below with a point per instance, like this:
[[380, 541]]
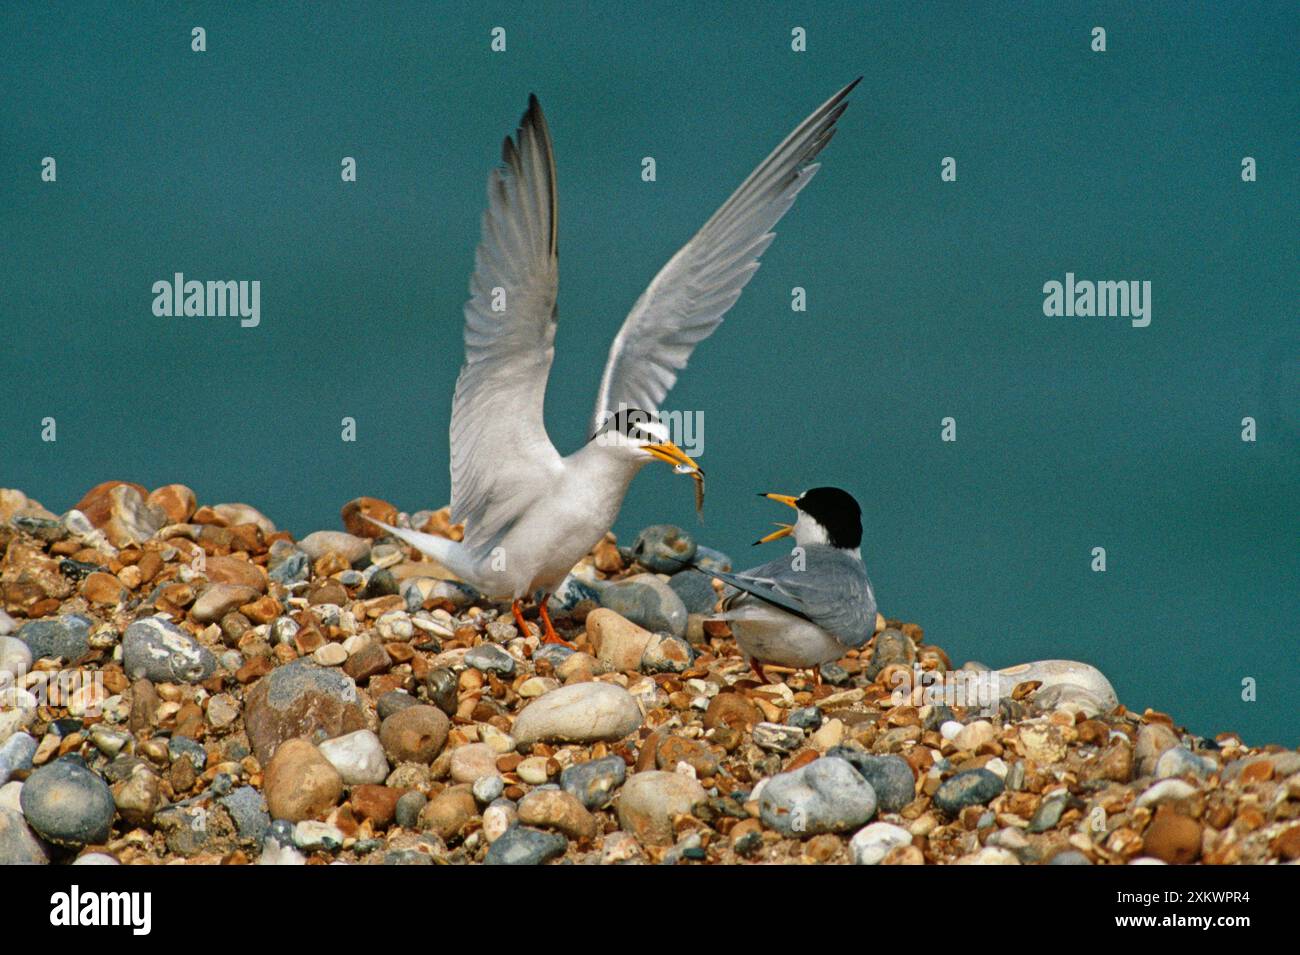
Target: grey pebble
[[695, 590], [179, 746], [247, 808], [18, 844], [827, 795], [162, 652], [890, 776], [974, 787], [489, 658], [805, 717], [593, 782], [66, 636], [16, 754], [521, 845], [777, 738], [553, 653], [408, 809], [663, 548], [67, 804], [394, 701], [487, 788], [648, 602]]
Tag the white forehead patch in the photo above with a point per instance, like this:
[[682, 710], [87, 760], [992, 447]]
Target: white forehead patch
[[656, 429]]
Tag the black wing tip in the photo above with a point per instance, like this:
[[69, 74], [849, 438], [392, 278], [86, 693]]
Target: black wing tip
[[534, 115]]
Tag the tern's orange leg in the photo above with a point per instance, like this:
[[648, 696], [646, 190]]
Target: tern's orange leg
[[758, 668], [515, 609], [549, 635]]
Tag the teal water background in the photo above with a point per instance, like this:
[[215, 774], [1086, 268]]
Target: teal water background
[[924, 297]]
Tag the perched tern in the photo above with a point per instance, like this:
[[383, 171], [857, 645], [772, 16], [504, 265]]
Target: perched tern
[[813, 605], [530, 515]]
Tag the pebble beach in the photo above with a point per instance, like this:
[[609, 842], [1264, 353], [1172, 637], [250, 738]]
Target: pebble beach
[[183, 683]]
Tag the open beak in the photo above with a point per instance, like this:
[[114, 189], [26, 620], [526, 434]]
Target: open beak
[[669, 453], [783, 530]]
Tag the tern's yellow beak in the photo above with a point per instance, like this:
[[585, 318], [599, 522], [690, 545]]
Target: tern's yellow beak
[[668, 452], [783, 530]]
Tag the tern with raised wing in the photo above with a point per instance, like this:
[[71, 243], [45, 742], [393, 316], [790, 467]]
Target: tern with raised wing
[[529, 513]]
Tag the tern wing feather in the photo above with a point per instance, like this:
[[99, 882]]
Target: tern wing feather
[[828, 588], [689, 297], [500, 452]]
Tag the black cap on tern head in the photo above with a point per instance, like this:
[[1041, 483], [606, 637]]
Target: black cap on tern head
[[837, 511]]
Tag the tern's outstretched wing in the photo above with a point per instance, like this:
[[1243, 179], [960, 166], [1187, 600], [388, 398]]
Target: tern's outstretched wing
[[500, 452], [826, 587], [690, 295]]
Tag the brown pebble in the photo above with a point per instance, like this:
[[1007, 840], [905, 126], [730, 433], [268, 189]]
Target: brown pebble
[[375, 803], [300, 783], [358, 509], [447, 814], [1173, 837], [415, 734]]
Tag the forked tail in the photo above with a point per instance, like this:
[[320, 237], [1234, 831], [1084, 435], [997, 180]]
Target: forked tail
[[451, 554]]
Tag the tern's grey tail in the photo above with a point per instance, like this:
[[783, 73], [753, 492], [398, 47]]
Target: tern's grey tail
[[445, 551]]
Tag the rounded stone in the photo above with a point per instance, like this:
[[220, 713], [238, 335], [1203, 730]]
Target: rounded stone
[[522, 845], [827, 795], [890, 776], [448, 813], [619, 643], [358, 757], [667, 655], [300, 783], [579, 713], [1065, 683], [415, 734], [66, 636], [67, 804], [15, 656], [301, 699], [664, 548], [409, 806], [18, 844], [219, 599], [872, 843], [1173, 837], [1181, 761], [971, 788], [352, 548], [695, 590], [162, 652], [594, 782], [650, 800], [488, 788], [559, 810], [472, 762], [648, 602], [489, 658]]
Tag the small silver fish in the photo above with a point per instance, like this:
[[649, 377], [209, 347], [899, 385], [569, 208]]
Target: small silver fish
[[698, 476]]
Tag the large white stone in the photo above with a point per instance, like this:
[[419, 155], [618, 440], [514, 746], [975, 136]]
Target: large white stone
[[872, 843], [358, 757], [1066, 684], [580, 713]]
